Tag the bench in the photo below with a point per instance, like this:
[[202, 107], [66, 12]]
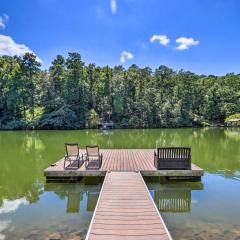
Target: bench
[[173, 158]]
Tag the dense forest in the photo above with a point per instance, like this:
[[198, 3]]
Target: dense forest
[[73, 95]]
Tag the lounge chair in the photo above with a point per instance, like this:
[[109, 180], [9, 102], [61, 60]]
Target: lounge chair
[[173, 158], [72, 156], [93, 158]]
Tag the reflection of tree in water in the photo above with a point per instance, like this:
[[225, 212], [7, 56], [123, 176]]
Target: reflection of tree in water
[[212, 149], [74, 193], [233, 133], [217, 151], [21, 166], [174, 197], [24, 155]]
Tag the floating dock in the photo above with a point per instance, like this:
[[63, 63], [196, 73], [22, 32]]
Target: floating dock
[[124, 160], [125, 211]]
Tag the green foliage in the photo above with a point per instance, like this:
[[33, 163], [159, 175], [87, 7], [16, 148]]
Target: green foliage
[[76, 88], [29, 74], [38, 112], [15, 125], [72, 95], [231, 117], [63, 118], [93, 119]]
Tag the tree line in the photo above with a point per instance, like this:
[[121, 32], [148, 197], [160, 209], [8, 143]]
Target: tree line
[[73, 95]]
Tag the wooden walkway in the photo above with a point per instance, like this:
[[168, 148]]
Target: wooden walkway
[[126, 211], [141, 160]]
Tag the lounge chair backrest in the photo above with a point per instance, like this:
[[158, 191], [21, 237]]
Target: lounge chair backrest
[[92, 150], [72, 149]]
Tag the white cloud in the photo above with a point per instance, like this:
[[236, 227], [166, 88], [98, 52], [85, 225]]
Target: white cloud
[[113, 6], [12, 206], [162, 39], [9, 47], [126, 56], [3, 21], [185, 43]]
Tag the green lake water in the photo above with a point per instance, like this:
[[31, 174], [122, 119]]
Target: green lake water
[[32, 209]]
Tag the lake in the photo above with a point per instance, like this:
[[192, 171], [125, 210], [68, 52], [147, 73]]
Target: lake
[[32, 209]]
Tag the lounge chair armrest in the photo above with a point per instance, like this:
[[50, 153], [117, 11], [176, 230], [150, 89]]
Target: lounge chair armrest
[[101, 157]]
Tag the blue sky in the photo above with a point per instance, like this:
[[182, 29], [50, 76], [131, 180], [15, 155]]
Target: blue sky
[[202, 36]]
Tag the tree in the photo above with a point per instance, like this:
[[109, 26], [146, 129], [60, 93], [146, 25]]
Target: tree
[[70, 95], [57, 73], [30, 70], [76, 90], [54, 85]]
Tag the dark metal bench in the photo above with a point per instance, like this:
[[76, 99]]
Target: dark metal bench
[[173, 158]]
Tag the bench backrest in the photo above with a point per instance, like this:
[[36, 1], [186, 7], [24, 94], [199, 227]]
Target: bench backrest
[[174, 153], [173, 158]]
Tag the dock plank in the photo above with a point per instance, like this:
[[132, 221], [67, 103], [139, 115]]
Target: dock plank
[[139, 160], [125, 210]]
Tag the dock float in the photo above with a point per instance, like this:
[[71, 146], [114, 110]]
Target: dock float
[[140, 160], [125, 211]]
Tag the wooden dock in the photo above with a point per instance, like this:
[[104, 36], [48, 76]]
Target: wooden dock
[[137, 160], [126, 211]]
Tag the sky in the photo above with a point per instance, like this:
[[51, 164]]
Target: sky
[[201, 36]]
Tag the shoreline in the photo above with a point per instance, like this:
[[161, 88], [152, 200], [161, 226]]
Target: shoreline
[[116, 128]]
